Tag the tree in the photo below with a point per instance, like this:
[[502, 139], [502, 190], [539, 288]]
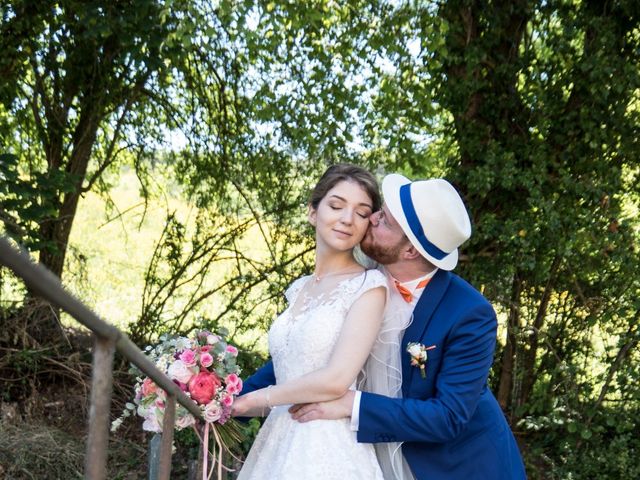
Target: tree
[[543, 104]]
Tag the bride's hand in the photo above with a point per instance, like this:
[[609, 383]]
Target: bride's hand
[[241, 406], [248, 406]]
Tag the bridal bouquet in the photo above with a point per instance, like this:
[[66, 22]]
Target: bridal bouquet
[[203, 365]]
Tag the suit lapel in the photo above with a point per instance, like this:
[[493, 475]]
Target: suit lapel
[[422, 314]]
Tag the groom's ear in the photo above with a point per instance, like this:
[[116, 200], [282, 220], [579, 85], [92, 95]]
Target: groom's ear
[[411, 252], [311, 215]]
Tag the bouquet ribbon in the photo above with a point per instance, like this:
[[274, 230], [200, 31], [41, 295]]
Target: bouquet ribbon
[[217, 444]]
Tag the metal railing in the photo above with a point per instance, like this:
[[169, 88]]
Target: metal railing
[[107, 339]]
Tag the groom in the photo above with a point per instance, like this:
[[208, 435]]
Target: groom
[[449, 422]]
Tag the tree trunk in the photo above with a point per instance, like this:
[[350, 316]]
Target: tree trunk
[[55, 232], [529, 356], [507, 370]]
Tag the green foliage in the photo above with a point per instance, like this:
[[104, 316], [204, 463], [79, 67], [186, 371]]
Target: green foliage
[[530, 108], [561, 447], [77, 81], [26, 203]]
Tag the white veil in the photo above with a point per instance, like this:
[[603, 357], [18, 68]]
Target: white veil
[[382, 374]]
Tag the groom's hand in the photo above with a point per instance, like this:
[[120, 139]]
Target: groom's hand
[[332, 410]]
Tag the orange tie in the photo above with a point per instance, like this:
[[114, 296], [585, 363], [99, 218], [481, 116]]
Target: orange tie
[[406, 293]]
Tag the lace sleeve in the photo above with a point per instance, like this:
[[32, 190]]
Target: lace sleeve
[[358, 286], [371, 279]]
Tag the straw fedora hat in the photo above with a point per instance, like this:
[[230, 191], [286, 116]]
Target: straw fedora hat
[[431, 214]]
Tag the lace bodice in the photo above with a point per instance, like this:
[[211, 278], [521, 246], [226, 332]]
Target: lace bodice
[[302, 340]]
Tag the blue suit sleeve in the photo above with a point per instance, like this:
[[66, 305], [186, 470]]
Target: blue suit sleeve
[[461, 380], [263, 377]]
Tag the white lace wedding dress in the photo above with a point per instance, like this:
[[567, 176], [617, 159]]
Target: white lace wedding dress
[[301, 342]]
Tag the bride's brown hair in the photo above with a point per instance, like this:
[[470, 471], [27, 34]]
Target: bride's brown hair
[[346, 172]]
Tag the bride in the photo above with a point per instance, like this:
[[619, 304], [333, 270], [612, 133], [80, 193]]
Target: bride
[[319, 345]]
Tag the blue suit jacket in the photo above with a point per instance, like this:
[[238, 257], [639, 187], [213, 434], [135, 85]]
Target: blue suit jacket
[[452, 425]]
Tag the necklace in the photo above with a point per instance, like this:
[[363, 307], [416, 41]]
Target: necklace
[[343, 271]]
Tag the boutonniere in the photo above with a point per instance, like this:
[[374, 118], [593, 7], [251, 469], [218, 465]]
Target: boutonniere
[[418, 353]]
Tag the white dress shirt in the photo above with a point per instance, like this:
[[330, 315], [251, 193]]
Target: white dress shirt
[[417, 293]]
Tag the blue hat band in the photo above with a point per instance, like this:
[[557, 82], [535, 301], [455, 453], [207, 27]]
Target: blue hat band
[[414, 223]]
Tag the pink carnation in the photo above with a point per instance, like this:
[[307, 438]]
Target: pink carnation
[[202, 387]]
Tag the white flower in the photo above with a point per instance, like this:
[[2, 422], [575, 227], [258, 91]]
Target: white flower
[[116, 424], [183, 343], [212, 339], [179, 371], [415, 350]]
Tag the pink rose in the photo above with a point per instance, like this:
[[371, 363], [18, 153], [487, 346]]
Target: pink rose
[[232, 350], [185, 421], [152, 423], [227, 400], [232, 389], [206, 359], [188, 357], [212, 411], [148, 387], [202, 387], [234, 384], [206, 348]]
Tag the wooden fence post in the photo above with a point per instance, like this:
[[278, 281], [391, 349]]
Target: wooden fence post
[[101, 386]]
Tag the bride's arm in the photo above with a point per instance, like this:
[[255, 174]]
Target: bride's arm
[[356, 339]]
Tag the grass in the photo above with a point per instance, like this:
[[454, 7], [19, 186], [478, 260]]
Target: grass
[[36, 450], [39, 451]]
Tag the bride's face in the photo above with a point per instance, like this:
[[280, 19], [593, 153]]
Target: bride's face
[[342, 216]]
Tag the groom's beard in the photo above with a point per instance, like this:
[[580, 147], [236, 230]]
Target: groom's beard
[[382, 255]]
